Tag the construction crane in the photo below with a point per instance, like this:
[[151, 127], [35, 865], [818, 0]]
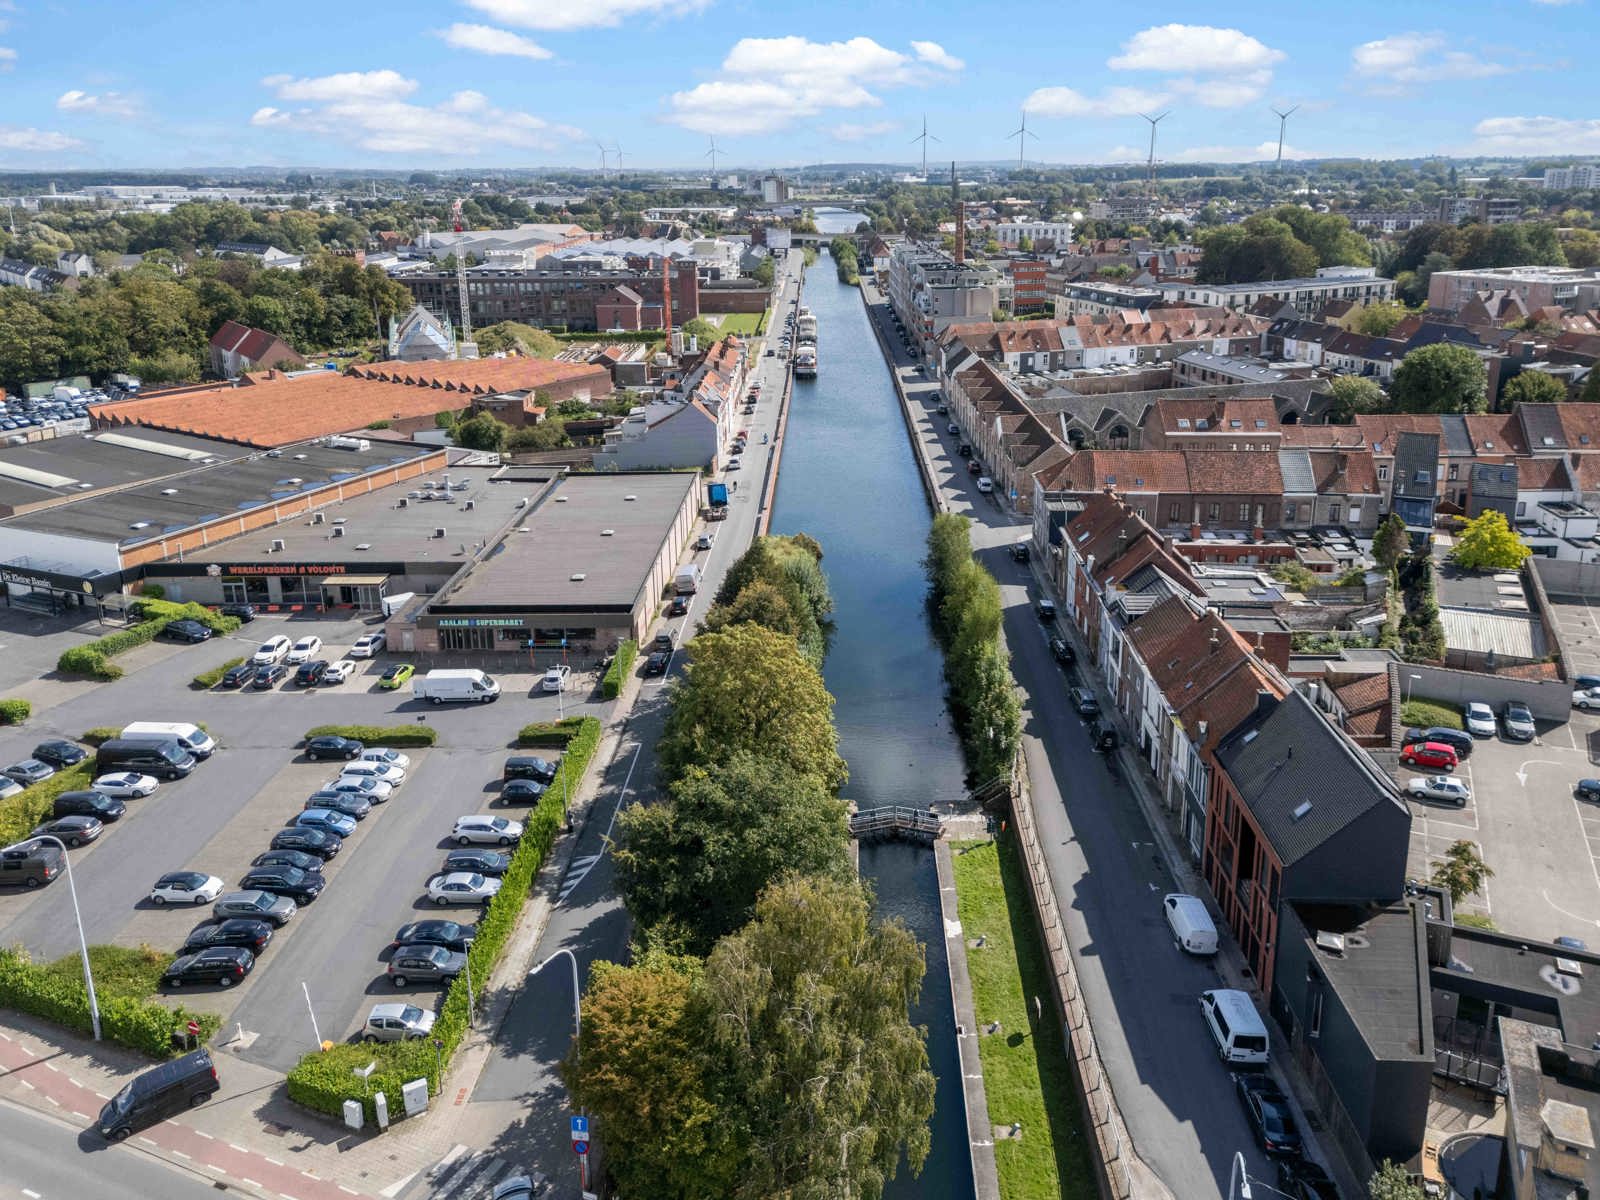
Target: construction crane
[[461, 274]]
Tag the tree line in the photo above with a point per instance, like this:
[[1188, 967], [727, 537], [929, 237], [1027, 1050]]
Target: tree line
[[759, 1044]]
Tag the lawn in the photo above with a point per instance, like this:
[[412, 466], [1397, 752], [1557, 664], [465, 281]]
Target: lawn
[[118, 970], [744, 324], [1027, 1075], [1426, 714]]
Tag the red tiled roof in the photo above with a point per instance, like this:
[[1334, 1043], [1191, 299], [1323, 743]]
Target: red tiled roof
[[481, 376], [1218, 414], [1323, 436], [1360, 473], [1126, 471], [1496, 433], [1234, 472], [253, 344], [1384, 429], [1580, 422]]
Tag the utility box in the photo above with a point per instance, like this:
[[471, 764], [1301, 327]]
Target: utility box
[[353, 1116], [415, 1094], [380, 1103]]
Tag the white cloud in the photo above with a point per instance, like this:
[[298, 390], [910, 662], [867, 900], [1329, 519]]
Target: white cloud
[[932, 52], [1261, 152], [1536, 135], [1113, 102], [1201, 49], [564, 15], [369, 109], [1403, 60], [486, 39], [851, 131], [36, 141], [766, 84], [8, 58], [106, 104], [1225, 91]]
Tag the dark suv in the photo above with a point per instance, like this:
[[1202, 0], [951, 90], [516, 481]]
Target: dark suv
[[185, 630], [529, 766], [300, 886], [1458, 741]]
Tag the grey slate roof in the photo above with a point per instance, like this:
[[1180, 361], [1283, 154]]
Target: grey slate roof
[[1416, 466], [1288, 760], [1298, 477], [1457, 439], [1494, 481]]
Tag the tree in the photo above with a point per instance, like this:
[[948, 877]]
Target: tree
[[1355, 394], [1376, 319], [749, 688], [1391, 1181], [1391, 542], [1462, 872], [1589, 395], [764, 272], [1488, 543], [1533, 387], [701, 329], [482, 432], [1441, 378], [726, 833], [548, 434], [1583, 248], [1296, 574], [811, 1045]]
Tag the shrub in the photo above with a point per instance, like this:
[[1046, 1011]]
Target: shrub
[[380, 735], [100, 733], [15, 712], [19, 814], [618, 671], [93, 658], [153, 591], [322, 1080], [210, 679], [1424, 714], [550, 733]]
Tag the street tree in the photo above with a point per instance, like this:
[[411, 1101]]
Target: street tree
[[1392, 1181], [1533, 387], [1441, 378], [1589, 395], [985, 703], [1391, 543], [482, 432], [1354, 395], [1488, 543], [1376, 319], [1462, 871], [726, 832]]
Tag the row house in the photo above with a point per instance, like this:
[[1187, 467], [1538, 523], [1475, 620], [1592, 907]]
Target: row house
[[1122, 339], [1201, 490], [1361, 285], [1213, 423], [1323, 488], [1011, 441], [1358, 354]]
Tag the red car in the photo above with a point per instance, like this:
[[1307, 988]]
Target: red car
[[1430, 754]]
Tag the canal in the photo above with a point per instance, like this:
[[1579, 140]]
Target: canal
[[848, 479]]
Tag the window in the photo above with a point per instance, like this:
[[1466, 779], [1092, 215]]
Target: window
[[1244, 511], [1216, 512], [1453, 469], [1140, 512], [1314, 1024], [1333, 514], [1522, 507], [1288, 510], [1173, 512], [1355, 514], [1383, 474]]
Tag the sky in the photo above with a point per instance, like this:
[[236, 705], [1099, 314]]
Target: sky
[[526, 83]]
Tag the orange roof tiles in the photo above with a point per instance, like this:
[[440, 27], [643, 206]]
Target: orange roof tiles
[[1233, 472], [482, 376], [1126, 470]]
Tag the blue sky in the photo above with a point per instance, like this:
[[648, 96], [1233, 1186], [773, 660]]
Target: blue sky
[[106, 83]]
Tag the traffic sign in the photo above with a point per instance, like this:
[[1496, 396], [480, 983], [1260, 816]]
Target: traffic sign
[[580, 1147], [580, 1129], [194, 1028]]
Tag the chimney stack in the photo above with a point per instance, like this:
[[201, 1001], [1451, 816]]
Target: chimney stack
[[1194, 526], [961, 215], [1258, 531]]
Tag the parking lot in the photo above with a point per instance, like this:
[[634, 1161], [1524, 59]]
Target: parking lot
[[226, 812], [1542, 843]]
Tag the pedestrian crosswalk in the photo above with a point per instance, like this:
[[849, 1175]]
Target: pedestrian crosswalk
[[463, 1175], [577, 872]]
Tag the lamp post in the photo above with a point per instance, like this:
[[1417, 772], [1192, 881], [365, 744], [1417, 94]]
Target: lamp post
[[577, 1029], [83, 943], [1238, 1176], [1410, 679]]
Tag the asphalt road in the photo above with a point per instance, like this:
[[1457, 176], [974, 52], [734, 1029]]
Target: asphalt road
[[47, 1159], [519, 1101]]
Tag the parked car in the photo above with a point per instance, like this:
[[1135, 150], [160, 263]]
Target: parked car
[[383, 754], [303, 650], [256, 906], [1588, 789], [300, 886], [1061, 650], [705, 541], [656, 664], [125, 785], [452, 935], [664, 641], [237, 677], [678, 606], [236, 931], [369, 645], [311, 673], [1461, 743], [974, 467], [185, 630], [1586, 698], [462, 887], [486, 830], [338, 672], [1447, 789], [952, 427], [425, 964], [325, 818], [1430, 754], [185, 887], [221, 965], [324, 843], [73, 831], [1480, 720], [1302, 1179], [98, 805], [268, 675], [378, 772], [244, 612], [350, 803], [478, 861], [272, 650], [522, 791], [396, 676], [28, 772], [1084, 701], [60, 754], [1045, 610], [985, 484], [301, 860], [396, 1022], [1585, 682], [1269, 1115], [9, 788], [331, 745], [373, 791], [1517, 720], [1019, 552], [529, 766]]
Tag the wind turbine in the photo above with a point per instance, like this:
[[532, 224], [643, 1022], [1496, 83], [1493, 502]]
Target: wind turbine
[[1151, 167], [924, 137], [617, 150], [712, 155], [1283, 122], [603, 160], [1022, 135]]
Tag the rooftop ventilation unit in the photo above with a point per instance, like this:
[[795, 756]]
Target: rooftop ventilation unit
[[561, 499], [404, 503], [469, 506], [318, 518], [338, 531], [340, 520], [576, 577], [608, 533], [363, 545], [630, 496], [438, 531], [140, 525], [300, 457], [274, 453], [277, 545], [1333, 943]]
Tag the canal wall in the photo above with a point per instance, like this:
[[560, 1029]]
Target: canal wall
[[769, 485], [930, 484]]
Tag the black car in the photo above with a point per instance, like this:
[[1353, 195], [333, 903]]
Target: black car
[[313, 841], [300, 886], [300, 860], [656, 664], [425, 964], [331, 745], [1270, 1117], [235, 931], [60, 754], [522, 791], [185, 630], [221, 965], [678, 607], [1019, 552], [1458, 741], [452, 935], [529, 766], [311, 673], [1083, 700], [481, 862], [102, 807], [245, 612], [237, 677], [1302, 1179], [1046, 610], [268, 675], [1588, 789], [1062, 652]]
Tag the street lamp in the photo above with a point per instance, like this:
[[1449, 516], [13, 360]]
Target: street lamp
[[577, 1010], [1237, 1176], [1410, 679], [83, 944]]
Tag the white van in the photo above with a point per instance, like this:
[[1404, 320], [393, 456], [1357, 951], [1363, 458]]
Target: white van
[[1235, 1026], [191, 737], [1190, 923], [463, 685]]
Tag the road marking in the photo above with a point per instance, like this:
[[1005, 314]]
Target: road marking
[[207, 1136], [248, 1181], [273, 1161], [180, 1154], [1522, 771], [239, 1148], [30, 1193]]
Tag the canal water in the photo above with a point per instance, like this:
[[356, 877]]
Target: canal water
[[848, 479]]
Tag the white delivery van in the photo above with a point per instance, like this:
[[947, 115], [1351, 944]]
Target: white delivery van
[[1191, 924], [191, 737], [1235, 1026], [687, 580], [462, 686]]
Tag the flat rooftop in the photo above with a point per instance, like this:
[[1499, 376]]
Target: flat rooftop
[[1380, 975], [609, 528], [208, 491], [55, 468]]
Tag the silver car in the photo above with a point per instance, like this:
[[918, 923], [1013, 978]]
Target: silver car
[[396, 1023], [486, 830], [256, 905]]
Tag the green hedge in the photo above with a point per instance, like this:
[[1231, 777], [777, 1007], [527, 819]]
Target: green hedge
[[15, 712], [130, 1021], [322, 1079], [20, 814], [380, 735], [93, 659], [550, 733], [100, 733], [210, 679], [617, 673]]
